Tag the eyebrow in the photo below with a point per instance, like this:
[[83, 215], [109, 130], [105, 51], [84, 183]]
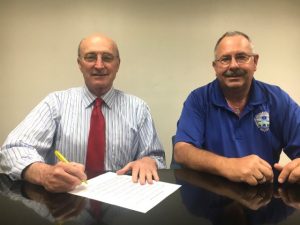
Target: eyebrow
[[99, 52], [238, 53]]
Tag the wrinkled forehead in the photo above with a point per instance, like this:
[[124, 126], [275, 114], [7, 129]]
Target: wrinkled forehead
[[233, 45], [97, 44]]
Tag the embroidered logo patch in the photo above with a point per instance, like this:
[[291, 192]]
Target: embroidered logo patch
[[262, 121]]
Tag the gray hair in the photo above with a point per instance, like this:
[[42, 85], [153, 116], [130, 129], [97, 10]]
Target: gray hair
[[231, 34], [79, 47]]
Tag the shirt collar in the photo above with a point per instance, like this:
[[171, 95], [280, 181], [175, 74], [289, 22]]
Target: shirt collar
[[256, 96], [88, 98]]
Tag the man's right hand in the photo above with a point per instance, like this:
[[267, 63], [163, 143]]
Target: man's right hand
[[62, 177], [249, 169]]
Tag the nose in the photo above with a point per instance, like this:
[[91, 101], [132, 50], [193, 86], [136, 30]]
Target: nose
[[99, 62], [233, 63]]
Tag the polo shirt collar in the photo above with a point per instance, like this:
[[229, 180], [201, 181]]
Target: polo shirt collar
[[256, 97]]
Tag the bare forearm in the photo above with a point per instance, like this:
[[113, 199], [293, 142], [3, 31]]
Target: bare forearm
[[250, 169], [199, 159]]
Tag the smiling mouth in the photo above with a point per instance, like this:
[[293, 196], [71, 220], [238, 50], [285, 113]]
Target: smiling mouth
[[234, 76], [99, 74]]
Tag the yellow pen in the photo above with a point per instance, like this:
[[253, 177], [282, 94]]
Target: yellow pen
[[60, 156], [63, 159]]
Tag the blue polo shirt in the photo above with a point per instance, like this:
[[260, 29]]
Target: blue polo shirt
[[269, 123]]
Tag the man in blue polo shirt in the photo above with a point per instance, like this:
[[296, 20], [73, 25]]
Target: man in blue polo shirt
[[236, 126]]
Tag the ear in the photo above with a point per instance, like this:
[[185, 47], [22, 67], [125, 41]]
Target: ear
[[256, 57], [119, 62], [78, 62], [213, 63]]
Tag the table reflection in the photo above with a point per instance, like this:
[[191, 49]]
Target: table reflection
[[202, 199], [225, 202], [59, 207]]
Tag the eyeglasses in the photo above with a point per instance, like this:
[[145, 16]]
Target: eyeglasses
[[92, 57], [239, 58]]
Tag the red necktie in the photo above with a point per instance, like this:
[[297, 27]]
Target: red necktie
[[96, 141]]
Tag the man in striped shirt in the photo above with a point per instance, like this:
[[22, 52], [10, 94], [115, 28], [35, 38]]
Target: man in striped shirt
[[62, 120]]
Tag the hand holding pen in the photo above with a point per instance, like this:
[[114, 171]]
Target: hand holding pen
[[63, 159], [61, 177]]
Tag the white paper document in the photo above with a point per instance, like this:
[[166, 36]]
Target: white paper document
[[121, 191]]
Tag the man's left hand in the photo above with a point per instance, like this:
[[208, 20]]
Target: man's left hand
[[290, 172], [144, 169]]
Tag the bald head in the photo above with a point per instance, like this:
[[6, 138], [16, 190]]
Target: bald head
[[97, 37]]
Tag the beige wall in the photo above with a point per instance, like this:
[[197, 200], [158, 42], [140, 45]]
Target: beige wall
[[166, 49]]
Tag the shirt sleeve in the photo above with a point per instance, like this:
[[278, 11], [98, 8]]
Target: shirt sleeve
[[30, 141], [290, 126], [190, 126], [149, 143]]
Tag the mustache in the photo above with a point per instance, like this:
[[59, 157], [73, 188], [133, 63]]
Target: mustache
[[235, 73], [99, 72]]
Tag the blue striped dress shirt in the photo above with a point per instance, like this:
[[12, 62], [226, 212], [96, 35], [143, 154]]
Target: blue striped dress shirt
[[62, 120]]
